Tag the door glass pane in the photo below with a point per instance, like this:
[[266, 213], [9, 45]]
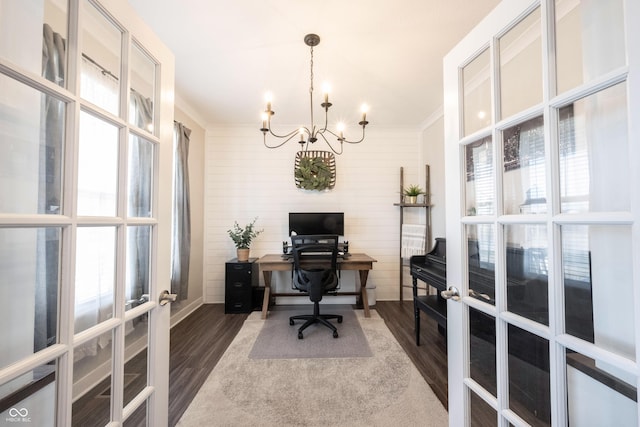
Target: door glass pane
[[54, 42], [95, 277], [31, 397], [33, 36], [143, 76], [101, 60], [135, 370], [529, 386], [520, 51], [97, 167], [476, 94], [482, 262], [480, 183], [594, 153], [32, 129], [138, 265], [29, 288], [597, 270], [527, 271], [590, 40], [524, 179], [138, 417], [141, 160], [596, 396], [482, 414], [92, 362], [482, 349]]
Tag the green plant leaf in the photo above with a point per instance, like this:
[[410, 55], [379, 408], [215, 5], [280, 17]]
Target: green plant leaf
[[313, 173], [242, 237]]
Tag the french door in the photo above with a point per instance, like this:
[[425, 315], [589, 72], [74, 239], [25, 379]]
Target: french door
[[542, 150], [86, 122]]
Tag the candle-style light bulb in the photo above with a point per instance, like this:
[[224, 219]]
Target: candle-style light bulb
[[268, 97], [325, 90], [301, 135], [340, 128], [364, 109], [265, 116]]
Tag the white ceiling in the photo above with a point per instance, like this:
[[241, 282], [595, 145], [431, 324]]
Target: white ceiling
[[382, 52]]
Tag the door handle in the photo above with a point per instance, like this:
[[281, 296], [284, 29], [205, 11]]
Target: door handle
[[479, 295], [451, 293], [166, 297]]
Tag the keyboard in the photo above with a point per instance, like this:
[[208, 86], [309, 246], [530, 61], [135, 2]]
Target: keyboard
[[340, 255]]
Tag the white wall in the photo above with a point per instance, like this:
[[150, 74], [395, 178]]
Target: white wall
[[244, 179], [433, 148]]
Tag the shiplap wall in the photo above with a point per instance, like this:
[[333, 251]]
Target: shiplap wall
[[243, 180]]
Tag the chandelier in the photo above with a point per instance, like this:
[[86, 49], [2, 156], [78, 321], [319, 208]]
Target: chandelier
[[311, 134]]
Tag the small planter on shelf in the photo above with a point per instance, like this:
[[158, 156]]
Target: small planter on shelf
[[411, 194]]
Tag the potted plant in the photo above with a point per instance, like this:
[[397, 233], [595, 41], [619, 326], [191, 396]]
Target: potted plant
[[242, 238], [412, 192]]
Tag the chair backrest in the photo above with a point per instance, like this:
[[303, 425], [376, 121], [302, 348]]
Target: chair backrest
[[315, 261]]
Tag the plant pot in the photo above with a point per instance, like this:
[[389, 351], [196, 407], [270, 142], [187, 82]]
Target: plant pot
[[411, 199], [243, 255]]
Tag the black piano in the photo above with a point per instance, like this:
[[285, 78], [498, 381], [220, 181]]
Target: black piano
[[527, 288], [431, 269], [527, 295]]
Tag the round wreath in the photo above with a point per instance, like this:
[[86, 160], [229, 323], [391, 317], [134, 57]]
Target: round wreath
[[313, 173]]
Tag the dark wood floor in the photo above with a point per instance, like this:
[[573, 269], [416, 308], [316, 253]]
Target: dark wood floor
[[199, 341], [431, 356]]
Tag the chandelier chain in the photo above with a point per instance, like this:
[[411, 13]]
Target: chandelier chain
[[311, 87]]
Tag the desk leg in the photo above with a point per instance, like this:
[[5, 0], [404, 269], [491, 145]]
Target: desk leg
[[363, 291], [267, 293]]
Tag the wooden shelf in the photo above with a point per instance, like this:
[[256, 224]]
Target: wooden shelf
[[427, 206], [412, 205]]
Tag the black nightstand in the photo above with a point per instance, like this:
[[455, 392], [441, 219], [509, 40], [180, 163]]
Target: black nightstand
[[241, 280]]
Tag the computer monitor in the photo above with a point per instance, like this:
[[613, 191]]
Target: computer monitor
[[302, 223]]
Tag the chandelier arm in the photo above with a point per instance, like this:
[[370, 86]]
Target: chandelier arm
[[326, 120], [329, 144], [344, 139], [358, 141], [290, 136], [332, 133]]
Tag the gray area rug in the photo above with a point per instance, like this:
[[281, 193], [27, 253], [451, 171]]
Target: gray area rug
[[279, 340], [383, 390]]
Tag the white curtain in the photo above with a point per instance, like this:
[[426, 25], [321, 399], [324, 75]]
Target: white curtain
[[95, 269]]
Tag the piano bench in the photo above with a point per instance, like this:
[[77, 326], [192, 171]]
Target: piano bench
[[434, 306]]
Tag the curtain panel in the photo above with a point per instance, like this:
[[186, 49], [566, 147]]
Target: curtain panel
[[181, 239]]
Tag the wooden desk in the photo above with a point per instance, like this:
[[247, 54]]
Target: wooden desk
[[275, 262]]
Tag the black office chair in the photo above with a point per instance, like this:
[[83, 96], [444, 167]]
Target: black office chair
[[315, 260]]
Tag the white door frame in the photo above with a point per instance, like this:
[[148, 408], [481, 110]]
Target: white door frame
[[481, 37], [155, 394]]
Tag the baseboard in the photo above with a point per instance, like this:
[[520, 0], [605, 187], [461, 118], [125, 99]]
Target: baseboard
[[179, 316]]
